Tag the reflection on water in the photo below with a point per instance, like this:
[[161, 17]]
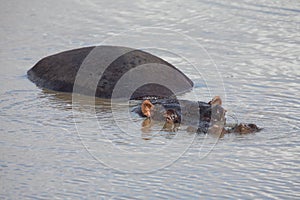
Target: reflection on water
[[51, 147]]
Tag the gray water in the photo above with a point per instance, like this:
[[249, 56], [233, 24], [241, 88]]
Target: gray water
[[53, 149]]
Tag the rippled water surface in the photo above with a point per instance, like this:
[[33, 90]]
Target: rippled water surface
[[246, 51]]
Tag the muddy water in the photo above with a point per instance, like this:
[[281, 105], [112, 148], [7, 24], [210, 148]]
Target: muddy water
[[51, 147]]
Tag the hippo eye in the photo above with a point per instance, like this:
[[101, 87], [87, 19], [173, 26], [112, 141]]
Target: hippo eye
[[175, 117]]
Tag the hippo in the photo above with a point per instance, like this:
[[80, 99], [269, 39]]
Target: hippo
[[96, 70], [200, 117]]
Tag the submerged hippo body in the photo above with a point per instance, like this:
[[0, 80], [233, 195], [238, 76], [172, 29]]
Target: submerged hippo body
[[96, 71]]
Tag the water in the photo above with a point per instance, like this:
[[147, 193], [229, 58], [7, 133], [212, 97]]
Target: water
[[254, 48]]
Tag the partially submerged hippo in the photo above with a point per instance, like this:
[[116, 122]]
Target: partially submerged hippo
[[199, 116], [96, 71]]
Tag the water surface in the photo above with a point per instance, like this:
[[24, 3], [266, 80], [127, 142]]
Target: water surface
[[254, 59]]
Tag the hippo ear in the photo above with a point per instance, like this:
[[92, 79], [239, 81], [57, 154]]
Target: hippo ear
[[216, 101], [146, 108]]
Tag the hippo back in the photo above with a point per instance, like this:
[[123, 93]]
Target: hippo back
[[98, 71]]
